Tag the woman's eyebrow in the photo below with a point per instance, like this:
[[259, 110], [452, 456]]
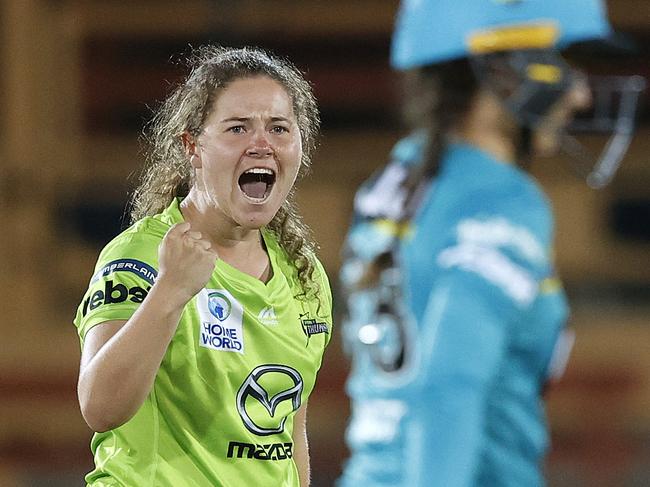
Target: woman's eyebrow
[[234, 119], [246, 119]]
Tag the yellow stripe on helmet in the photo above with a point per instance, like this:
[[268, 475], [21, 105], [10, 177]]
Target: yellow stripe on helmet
[[544, 73], [529, 36]]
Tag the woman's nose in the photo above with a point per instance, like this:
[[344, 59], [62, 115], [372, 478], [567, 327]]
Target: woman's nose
[[259, 145]]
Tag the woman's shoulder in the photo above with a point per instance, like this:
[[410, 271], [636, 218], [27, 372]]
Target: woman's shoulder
[[281, 257], [141, 239], [475, 182], [284, 263]]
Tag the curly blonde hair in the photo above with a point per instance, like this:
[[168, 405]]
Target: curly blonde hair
[[168, 173]]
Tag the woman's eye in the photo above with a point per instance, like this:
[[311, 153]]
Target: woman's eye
[[279, 129], [237, 129]]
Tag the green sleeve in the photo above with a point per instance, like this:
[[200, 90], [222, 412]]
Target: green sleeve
[[325, 297], [125, 271]]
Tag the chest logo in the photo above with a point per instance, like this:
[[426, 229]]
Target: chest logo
[[267, 316], [219, 305], [265, 389], [220, 316]]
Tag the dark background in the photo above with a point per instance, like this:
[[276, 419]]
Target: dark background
[[78, 81]]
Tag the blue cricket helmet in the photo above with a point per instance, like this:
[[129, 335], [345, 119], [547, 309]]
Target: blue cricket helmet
[[433, 31]]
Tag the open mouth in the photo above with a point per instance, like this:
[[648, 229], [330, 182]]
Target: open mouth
[[256, 183]]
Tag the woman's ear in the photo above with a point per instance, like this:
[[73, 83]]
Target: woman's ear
[[191, 149]]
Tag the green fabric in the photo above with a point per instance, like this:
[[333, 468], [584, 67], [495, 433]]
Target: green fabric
[[258, 340]]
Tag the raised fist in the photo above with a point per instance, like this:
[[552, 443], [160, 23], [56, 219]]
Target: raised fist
[[186, 260]]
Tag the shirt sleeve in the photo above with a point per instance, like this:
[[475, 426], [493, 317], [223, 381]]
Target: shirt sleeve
[[489, 273], [325, 297], [125, 271]]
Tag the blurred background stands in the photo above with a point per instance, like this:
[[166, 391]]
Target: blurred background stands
[[77, 82]]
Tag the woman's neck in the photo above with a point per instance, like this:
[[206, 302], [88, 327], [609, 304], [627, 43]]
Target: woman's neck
[[221, 230], [240, 247], [490, 127]]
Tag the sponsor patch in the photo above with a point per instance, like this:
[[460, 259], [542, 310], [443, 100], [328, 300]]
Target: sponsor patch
[[114, 293], [262, 392], [499, 232], [311, 326], [137, 267], [221, 321], [267, 451], [491, 264]]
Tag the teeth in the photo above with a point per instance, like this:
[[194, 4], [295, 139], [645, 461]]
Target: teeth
[[259, 170]]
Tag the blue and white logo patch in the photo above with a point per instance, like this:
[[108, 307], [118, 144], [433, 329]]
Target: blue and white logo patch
[[219, 305], [221, 318]]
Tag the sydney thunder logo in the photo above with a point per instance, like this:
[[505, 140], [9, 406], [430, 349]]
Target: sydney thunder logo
[[311, 326]]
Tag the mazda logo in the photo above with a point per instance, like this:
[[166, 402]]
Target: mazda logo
[[251, 388]]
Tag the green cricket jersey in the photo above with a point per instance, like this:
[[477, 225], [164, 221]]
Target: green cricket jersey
[[243, 359]]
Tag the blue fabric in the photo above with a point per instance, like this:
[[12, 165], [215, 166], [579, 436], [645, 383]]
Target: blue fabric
[[480, 317]]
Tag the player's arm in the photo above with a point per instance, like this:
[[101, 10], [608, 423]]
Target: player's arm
[[300, 445], [482, 289], [462, 351], [120, 359]]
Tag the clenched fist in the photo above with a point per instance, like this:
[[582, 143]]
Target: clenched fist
[[186, 261]]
